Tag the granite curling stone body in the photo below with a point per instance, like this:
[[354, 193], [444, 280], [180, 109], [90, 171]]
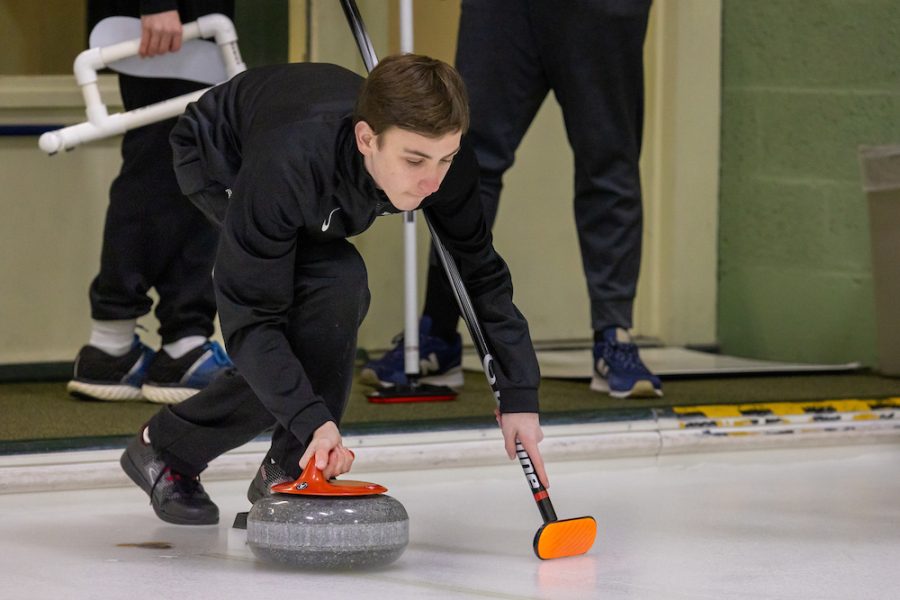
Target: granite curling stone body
[[319, 524]]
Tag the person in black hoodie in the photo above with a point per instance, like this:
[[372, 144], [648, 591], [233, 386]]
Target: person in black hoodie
[[292, 160], [152, 238]]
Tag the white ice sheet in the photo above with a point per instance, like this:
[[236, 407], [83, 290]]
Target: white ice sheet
[[794, 524]]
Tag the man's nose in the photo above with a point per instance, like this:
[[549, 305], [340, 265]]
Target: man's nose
[[430, 184]]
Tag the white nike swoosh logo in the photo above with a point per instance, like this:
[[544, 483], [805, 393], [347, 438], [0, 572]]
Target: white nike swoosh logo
[[429, 365], [327, 222]]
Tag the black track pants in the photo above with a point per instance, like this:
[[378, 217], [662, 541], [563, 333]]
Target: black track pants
[[154, 237], [511, 53], [330, 286]]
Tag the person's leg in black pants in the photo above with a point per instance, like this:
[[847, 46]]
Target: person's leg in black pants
[[505, 92], [153, 235], [330, 301], [593, 55], [590, 53], [499, 60]]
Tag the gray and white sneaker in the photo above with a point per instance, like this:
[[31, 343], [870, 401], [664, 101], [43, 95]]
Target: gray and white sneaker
[[268, 474]]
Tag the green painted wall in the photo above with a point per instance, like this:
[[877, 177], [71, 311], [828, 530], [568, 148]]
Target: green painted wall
[[804, 83], [263, 31]]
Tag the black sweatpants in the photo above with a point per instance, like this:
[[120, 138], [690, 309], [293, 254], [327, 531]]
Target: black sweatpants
[[154, 237], [511, 53], [330, 285]]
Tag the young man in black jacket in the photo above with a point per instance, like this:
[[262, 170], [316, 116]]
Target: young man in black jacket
[[294, 159]]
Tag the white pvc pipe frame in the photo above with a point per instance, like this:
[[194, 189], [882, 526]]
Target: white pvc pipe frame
[[100, 123]]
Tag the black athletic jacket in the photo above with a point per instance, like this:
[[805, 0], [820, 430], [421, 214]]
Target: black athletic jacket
[[278, 141], [188, 10]]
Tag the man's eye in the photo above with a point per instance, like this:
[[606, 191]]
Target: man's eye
[[447, 161], [414, 163]]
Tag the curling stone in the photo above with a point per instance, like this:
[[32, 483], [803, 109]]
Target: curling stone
[[319, 524]]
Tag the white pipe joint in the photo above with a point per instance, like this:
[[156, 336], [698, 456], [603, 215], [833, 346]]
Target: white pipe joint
[[222, 29], [87, 63], [218, 26]]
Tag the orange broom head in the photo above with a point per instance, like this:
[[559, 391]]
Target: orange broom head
[[569, 537]]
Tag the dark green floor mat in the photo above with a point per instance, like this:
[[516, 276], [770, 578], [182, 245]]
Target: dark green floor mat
[[42, 416]]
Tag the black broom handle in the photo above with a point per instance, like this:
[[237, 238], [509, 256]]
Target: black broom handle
[[541, 497], [363, 41]]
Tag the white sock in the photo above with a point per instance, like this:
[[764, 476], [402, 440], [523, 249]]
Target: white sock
[[113, 337], [622, 336], [145, 435], [179, 348]]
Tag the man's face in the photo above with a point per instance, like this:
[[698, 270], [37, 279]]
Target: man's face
[[407, 166]]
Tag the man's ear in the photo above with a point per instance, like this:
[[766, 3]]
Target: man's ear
[[365, 138]]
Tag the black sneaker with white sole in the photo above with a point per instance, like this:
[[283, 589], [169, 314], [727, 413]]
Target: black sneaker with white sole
[[101, 376], [176, 498], [173, 380]]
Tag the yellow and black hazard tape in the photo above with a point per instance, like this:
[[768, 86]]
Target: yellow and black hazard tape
[[785, 413]]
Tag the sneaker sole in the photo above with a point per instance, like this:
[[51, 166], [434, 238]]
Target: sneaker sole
[[167, 395], [453, 378], [135, 474], [105, 392], [641, 389]]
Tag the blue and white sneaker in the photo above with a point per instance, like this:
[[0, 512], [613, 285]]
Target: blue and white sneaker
[[440, 363], [618, 368], [102, 376], [172, 380]]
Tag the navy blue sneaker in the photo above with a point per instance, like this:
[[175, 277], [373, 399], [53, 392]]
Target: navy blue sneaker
[[172, 380], [440, 363], [102, 376], [618, 368]]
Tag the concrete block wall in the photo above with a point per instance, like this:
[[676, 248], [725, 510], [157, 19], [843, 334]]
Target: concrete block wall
[[804, 83]]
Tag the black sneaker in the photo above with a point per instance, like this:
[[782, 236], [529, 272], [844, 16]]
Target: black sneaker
[[171, 380], [268, 474], [102, 376], [175, 498]]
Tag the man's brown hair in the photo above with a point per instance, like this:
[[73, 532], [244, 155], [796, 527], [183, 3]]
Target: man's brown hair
[[413, 92]]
